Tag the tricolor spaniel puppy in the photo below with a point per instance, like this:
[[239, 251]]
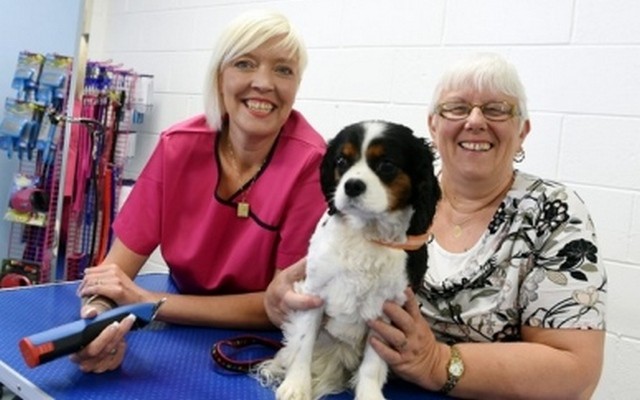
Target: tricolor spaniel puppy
[[381, 190]]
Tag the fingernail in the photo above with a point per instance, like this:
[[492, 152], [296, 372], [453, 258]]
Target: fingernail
[[131, 317], [114, 325], [87, 312]]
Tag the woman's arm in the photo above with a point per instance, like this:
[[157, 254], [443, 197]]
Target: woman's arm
[[113, 278], [244, 311], [547, 364]]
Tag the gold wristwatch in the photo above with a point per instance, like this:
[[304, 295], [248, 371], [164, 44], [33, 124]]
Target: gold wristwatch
[[455, 369]]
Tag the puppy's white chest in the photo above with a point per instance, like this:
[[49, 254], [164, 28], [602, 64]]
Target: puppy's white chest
[[353, 274]]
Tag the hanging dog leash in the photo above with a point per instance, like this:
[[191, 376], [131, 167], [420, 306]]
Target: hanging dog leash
[[225, 352]]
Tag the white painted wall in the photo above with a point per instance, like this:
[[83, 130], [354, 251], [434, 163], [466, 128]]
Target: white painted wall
[[579, 59]]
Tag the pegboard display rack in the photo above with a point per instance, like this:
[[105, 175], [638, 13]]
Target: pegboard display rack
[[63, 197], [41, 84]]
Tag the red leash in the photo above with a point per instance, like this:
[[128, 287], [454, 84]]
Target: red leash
[[223, 352]]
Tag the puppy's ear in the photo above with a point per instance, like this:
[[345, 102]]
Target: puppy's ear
[[328, 179], [416, 267], [426, 192], [425, 198]]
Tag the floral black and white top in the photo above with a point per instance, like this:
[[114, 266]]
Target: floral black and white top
[[536, 264]]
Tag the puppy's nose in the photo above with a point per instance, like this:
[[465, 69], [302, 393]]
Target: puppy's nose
[[354, 187]]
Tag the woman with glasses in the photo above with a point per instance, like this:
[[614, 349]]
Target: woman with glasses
[[512, 304]]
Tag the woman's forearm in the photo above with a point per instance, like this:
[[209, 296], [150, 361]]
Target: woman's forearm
[[531, 370], [245, 311]]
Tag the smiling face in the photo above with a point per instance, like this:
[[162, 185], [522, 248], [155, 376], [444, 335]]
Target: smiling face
[[258, 89], [475, 147]]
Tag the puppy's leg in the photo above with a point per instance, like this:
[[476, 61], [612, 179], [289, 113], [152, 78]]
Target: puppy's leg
[[301, 338], [334, 361], [371, 376]]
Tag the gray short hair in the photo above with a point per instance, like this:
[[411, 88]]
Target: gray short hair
[[243, 35], [483, 71]]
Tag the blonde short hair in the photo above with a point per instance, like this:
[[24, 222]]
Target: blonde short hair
[[483, 71], [243, 35]]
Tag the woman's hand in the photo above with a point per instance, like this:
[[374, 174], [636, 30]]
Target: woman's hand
[[106, 286], [106, 352], [280, 298], [407, 344], [110, 281]]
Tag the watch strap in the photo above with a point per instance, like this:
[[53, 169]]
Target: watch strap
[[452, 379]]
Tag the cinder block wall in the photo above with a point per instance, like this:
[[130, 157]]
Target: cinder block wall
[[579, 60]]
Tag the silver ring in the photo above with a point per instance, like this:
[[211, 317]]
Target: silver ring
[[113, 351]]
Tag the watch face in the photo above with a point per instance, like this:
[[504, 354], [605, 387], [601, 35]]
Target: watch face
[[456, 369]]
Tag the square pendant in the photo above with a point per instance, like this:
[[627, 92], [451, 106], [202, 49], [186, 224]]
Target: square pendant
[[242, 210]]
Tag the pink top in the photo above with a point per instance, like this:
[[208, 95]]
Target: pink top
[[207, 247]]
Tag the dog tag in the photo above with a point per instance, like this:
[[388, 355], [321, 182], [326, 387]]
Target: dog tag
[[242, 210]]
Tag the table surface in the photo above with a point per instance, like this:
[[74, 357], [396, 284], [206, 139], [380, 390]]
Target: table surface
[[162, 361]]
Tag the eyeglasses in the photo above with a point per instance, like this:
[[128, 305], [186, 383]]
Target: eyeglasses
[[493, 111]]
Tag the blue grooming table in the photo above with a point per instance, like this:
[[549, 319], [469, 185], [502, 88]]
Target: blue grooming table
[[162, 361]]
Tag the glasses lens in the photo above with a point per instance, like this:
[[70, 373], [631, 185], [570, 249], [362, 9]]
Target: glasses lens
[[499, 111], [455, 111]]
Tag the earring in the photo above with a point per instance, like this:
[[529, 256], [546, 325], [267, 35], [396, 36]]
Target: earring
[[519, 156]]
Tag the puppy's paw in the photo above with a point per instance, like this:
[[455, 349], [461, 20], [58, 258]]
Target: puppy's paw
[[294, 389], [269, 374], [368, 392]]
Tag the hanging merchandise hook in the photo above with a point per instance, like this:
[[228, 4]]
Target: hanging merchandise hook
[[56, 118]]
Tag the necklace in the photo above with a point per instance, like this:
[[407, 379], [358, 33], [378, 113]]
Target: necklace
[[458, 227], [243, 208]]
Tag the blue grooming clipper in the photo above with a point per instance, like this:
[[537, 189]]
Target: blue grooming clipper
[[65, 339]]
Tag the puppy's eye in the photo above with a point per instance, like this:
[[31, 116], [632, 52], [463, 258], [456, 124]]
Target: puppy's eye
[[342, 164], [386, 169]]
